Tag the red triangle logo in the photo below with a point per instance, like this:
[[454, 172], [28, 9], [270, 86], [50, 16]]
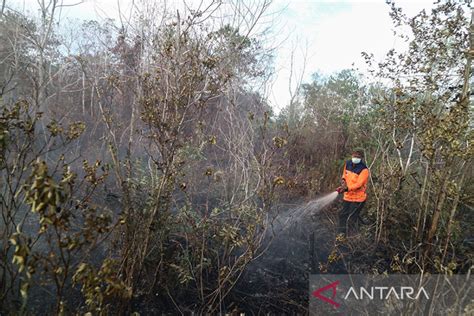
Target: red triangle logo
[[326, 299]]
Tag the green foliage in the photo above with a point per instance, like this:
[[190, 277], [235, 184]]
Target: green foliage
[[100, 287], [423, 134], [333, 119], [66, 228]]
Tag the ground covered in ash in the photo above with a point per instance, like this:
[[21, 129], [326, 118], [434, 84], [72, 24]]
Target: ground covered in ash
[[277, 282]]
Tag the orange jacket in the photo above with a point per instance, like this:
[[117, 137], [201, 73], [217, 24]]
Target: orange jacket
[[356, 177]]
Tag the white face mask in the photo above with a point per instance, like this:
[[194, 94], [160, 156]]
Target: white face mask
[[356, 160]]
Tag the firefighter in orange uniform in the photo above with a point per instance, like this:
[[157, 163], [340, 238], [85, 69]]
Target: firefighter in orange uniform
[[353, 185]]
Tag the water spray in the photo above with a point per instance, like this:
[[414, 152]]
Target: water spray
[[312, 207]]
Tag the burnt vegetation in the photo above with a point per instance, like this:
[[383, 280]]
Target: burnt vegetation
[[142, 168]]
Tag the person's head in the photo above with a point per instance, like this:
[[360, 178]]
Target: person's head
[[357, 155]]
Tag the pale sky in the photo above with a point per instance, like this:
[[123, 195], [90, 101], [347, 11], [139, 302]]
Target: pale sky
[[335, 33], [331, 34]]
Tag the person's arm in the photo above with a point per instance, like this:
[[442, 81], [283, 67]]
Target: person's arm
[[343, 187], [361, 180]]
